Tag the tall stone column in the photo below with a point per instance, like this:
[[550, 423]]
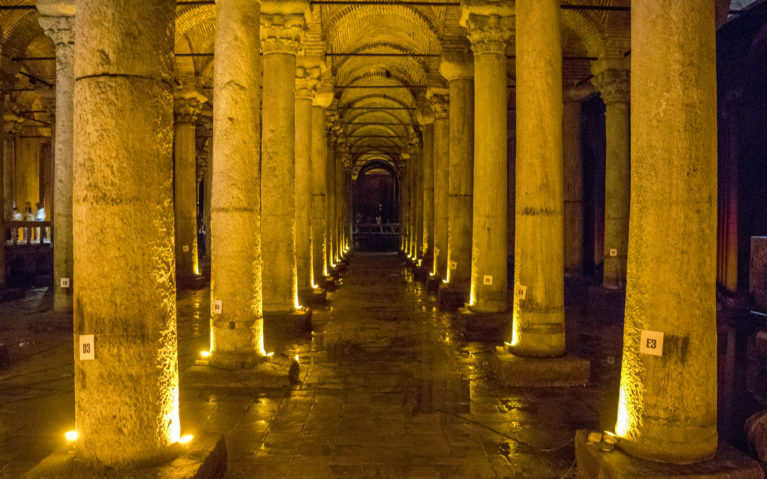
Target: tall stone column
[[331, 198], [3, 202], [489, 30], [27, 172], [418, 200], [613, 85], [307, 77], [281, 28], [320, 267], [459, 71], [438, 100], [426, 120], [342, 160], [404, 203], [573, 184], [236, 330], [126, 399], [539, 309], [58, 23], [188, 104], [667, 409]]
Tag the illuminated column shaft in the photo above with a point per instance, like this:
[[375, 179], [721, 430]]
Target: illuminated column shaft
[[427, 167], [573, 187], [281, 27], [126, 400], [331, 201], [60, 28], [489, 35], [237, 331], [613, 85], [438, 99], [419, 197], [459, 71], [307, 75], [188, 106], [539, 312], [27, 173], [403, 206], [319, 187], [667, 406], [340, 201]]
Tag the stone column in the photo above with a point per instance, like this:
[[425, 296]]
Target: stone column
[[459, 71], [539, 309], [281, 28], [27, 172], [188, 104], [573, 184], [613, 85], [126, 399], [438, 100], [236, 330], [320, 267], [342, 160], [667, 404], [58, 24], [331, 199], [307, 77], [4, 216], [418, 200], [489, 31], [404, 203], [426, 120]]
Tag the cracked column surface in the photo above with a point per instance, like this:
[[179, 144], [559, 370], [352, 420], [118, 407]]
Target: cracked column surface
[[667, 404], [539, 307], [489, 31], [307, 77], [236, 331], [459, 71], [281, 26], [126, 399], [613, 86], [320, 267], [438, 100], [58, 24], [188, 105], [573, 185]]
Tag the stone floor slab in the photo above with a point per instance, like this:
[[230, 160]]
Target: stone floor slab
[[516, 371]]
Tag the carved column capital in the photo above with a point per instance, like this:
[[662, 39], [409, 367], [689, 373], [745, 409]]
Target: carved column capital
[[456, 65], [61, 30], [489, 29], [613, 86], [281, 32], [439, 101], [187, 105], [307, 78]]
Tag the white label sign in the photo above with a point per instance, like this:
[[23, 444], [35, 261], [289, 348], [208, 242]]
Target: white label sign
[[522, 291], [487, 279], [87, 347], [64, 282], [218, 306], [185, 248], [651, 342], [613, 252], [453, 265]]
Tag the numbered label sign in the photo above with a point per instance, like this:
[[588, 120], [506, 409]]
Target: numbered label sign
[[185, 248], [651, 342], [218, 306], [87, 347], [522, 291], [64, 283], [453, 265], [487, 279], [613, 252]]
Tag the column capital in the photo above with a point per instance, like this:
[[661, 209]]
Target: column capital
[[308, 71], [439, 102], [12, 123], [613, 85], [282, 24], [578, 93], [424, 115], [60, 29], [490, 25], [323, 98], [455, 65], [187, 105]]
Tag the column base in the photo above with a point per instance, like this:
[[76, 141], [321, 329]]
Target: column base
[[450, 298], [202, 458], [313, 297], [483, 327], [517, 371], [328, 283], [296, 322], [729, 463], [274, 373], [421, 273], [433, 284]]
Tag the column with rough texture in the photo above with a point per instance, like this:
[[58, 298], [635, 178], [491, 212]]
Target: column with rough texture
[[426, 120], [60, 28], [489, 30], [573, 183], [459, 71], [126, 398], [281, 28], [667, 409], [539, 309], [319, 187], [307, 76], [438, 100], [342, 160], [613, 86], [188, 106], [236, 331], [331, 198]]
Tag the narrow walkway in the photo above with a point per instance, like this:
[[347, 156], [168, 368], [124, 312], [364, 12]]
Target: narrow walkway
[[390, 391]]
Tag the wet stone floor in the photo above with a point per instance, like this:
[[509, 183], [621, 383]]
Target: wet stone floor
[[389, 389]]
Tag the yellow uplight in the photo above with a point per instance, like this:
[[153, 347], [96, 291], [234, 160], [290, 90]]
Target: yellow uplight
[[185, 439], [205, 354], [71, 436]]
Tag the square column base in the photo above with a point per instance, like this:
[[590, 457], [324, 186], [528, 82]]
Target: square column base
[[433, 284], [483, 327], [328, 283], [203, 458], [729, 463], [313, 297], [297, 322], [517, 371], [278, 372], [450, 298]]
